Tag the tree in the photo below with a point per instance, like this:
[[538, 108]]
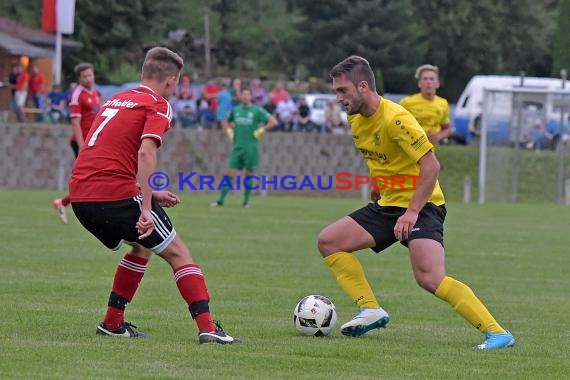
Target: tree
[[115, 35], [382, 31], [466, 38], [562, 40]]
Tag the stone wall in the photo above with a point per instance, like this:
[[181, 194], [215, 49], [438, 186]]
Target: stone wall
[[38, 156]]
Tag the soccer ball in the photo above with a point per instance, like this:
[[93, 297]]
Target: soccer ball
[[314, 315]]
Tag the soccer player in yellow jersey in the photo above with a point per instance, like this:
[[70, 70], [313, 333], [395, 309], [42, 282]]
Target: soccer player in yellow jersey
[[430, 110], [412, 212]]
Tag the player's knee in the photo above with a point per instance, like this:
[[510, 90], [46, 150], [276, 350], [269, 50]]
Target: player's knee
[[427, 282], [326, 243], [177, 254], [139, 250]]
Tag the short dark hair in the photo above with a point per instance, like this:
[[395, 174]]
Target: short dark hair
[[356, 69], [81, 67], [160, 63]]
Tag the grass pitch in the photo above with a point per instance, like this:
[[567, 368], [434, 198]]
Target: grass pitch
[[258, 263]]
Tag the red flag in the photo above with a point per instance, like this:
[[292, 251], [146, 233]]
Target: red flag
[[48, 16]]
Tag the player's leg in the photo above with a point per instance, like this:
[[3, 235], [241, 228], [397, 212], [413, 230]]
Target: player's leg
[[60, 204], [192, 286], [336, 243], [251, 162], [428, 265], [114, 223], [230, 174], [234, 164], [128, 276], [249, 183]]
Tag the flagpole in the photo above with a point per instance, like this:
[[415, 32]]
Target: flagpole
[[57, 58]]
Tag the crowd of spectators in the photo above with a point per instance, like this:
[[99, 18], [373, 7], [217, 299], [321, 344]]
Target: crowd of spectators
[[28, 94], [200, 106], [205, 107]]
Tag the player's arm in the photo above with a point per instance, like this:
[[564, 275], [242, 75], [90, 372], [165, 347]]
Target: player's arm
[[444, 133], [271, 123], [229, 128], [429, 172], [445, 125], [146, 166], [165, 198], [76, 127]]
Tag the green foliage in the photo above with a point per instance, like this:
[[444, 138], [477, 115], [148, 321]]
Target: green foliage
[[258, 263], [117, 33], [390, 39], [562, 42], [26, 12], [305, 38]]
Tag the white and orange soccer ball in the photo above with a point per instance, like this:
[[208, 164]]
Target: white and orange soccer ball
[[315, 315]]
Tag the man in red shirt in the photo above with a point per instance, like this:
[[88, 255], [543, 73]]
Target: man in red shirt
[[37, 91], [83, 106], [21, 92], [121, 146]]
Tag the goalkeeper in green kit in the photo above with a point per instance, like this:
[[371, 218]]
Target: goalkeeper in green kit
[[245, 126]]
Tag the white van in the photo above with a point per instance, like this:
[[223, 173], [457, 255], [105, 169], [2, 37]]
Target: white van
[[537, 107]]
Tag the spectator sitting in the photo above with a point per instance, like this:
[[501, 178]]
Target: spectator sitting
[[279, 93], [57, 104], [210, 92], [333, 118], [304, 119], [206, 116], [538, 135], [185, 107], [286, 112], [185, 87], [68, 94]]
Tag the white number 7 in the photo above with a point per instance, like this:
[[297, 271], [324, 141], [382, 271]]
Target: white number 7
[[108, 113]]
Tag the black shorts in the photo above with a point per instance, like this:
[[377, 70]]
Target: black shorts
[[115, 222], [75, 147], [379, 221]]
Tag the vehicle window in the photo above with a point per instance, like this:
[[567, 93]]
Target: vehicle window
[[319, 104]]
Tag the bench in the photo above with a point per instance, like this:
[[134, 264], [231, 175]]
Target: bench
[[30, 113]]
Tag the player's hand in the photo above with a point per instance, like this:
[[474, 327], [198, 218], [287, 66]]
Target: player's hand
[[258, 133], [145, 224], [375, 195], [404, 225], [166, 198], [230, 133], [433, 138]]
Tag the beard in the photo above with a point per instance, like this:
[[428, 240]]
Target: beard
[[355, 107]]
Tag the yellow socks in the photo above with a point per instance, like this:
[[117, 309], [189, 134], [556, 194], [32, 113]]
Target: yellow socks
[[351, 278], [466, 303]]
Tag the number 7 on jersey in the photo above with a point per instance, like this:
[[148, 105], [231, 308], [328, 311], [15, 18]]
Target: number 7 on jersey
[[108, 113]]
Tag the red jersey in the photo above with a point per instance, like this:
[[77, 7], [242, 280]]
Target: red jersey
[[37, 83], [106, 168], [84, 103], [22, 81]]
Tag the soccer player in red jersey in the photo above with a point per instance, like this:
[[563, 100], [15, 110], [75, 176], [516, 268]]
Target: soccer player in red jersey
[[83, 107], [121, 146]]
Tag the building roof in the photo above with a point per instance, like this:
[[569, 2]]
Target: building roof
[[16, 46], [33, 35]]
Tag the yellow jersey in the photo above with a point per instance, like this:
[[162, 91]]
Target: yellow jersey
[[392, 142], [431, 114]]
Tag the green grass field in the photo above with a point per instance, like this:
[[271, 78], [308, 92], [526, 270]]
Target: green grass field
[[258, 263]]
